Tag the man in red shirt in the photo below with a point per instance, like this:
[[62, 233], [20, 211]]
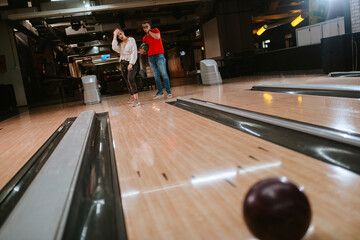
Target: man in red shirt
[[156, 58]]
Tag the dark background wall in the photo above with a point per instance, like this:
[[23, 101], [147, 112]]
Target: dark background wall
[[235, 30], [298, 58]]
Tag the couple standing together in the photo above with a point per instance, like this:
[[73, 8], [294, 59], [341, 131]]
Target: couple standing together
[[129, 65]]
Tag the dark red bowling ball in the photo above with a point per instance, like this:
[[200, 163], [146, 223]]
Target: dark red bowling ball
[[276, 209]]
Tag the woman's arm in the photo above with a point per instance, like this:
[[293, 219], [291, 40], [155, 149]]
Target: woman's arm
[[115, 44], [134, 52]]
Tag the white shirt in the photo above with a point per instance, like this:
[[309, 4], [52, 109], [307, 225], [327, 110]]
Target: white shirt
[[127, 53]]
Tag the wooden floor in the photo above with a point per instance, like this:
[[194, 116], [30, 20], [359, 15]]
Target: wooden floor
[[160, 149]]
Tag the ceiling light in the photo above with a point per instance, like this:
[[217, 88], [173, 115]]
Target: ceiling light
[[262, 30], [297, 20]]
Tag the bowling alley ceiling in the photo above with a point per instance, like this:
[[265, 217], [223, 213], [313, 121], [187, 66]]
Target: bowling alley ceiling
[[66, 22]]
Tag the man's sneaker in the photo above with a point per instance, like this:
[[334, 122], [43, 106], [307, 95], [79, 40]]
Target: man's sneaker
[[169, 95], [136, 104], [158, 95]]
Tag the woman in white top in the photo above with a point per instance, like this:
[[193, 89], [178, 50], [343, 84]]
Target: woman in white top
[[128, 62]]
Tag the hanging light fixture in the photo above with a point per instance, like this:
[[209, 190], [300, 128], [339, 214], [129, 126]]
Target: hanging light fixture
[[297, 20], [262, 30]]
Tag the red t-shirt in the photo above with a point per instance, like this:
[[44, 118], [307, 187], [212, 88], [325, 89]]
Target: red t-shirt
[[155, 45]]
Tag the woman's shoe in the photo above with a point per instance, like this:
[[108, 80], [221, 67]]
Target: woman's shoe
[[136, 104]]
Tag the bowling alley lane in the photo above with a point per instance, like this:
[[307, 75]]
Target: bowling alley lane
[[338, 113], [186, 177], [333, 80], [183, 176]]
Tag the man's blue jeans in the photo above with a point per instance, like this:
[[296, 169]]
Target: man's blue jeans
[[158, 66]]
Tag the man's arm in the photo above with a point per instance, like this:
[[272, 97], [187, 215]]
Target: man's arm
[[154, 35]]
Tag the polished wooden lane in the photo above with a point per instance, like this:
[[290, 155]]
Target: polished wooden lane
[[324, 111], [334, 112], [185, 177]]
